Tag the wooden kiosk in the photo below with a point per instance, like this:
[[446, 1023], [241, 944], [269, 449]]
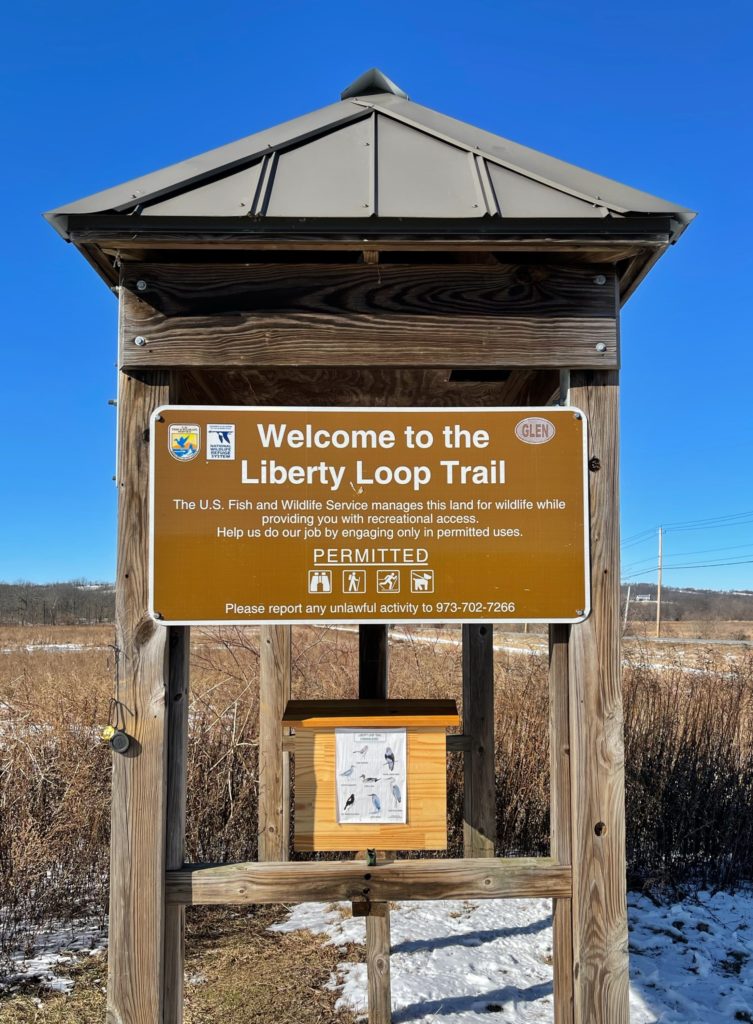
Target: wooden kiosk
[[374, 252]]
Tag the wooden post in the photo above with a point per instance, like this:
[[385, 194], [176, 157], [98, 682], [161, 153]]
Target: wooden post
[[274, 762], [139, 790], [596, 733], [479, 796], [177, 752], [378, 963], [373, 662], [373, 658], [560, 842]]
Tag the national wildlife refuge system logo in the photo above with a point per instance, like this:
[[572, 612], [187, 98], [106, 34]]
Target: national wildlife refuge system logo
[[184, 441]]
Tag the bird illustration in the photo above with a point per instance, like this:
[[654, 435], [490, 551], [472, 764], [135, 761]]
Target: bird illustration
[[371, 779], [389, 758], [347, 774], [376, 802], [182, 440], [396, 793], [350, 801], [361, 752]]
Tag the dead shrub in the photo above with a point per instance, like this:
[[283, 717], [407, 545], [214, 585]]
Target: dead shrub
[[688, 744]]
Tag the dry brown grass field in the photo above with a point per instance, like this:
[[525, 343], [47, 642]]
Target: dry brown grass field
[[689, 780]]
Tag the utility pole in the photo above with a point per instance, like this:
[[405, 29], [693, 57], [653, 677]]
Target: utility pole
[[627, 609], [658, 585]]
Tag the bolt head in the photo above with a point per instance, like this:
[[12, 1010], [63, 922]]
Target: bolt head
[[580, 611], [600, 279], [600, 347], [141, 286], [139, 340]]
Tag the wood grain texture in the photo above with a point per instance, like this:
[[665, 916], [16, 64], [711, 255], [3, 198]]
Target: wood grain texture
[[300, 339], [593, 249], [366, 385], [326, 881], [560, 820], [445, 290], [274, 761], [177, 754], [139, 791], [596, 735], [369, 713], [316, 825], [479, 791], [378, 965]]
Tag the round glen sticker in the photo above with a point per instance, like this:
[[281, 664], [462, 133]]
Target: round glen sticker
[[535, 430]]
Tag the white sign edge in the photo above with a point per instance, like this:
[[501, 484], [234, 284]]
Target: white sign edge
[[548, 409]]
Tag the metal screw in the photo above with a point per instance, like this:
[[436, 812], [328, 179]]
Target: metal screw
[[577, 415], [594, 464], [600, 346], [139, 340], [158, 615], [580, 611], [141, 286], [600, 279]]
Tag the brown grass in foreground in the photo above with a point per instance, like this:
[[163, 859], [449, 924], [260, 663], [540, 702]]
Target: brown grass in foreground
[[237, 972], [689, 757]]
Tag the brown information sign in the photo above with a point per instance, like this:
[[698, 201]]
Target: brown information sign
[[370, 515]]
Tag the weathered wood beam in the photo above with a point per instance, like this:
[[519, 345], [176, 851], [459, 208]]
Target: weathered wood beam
[[479, 792], [478, 289], [315, 881], [177, 756], [274, 760], [378, 963], [600, 936], [560, 820], [357, 314], [139, 778]]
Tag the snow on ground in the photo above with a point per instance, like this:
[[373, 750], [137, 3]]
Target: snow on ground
[[56, 948], [52, 647], [459, 962]]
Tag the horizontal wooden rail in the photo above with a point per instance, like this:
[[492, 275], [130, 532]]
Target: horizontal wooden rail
[[315, 881], [455, 744], [348, 315]]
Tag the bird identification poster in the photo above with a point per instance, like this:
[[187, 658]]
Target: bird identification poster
[[371, 776]]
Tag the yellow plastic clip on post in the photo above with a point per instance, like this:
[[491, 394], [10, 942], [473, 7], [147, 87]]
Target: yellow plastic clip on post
[[108, 732]]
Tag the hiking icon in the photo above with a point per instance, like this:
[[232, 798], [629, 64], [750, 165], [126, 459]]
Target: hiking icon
[[354, 581]]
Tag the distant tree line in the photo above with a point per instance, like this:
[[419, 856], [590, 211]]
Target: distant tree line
[[682, 604], [76, 602]]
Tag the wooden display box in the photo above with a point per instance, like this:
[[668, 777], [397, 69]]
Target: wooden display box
[[323, 788]]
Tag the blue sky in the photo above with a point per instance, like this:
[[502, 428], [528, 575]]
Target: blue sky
[[655, 95]]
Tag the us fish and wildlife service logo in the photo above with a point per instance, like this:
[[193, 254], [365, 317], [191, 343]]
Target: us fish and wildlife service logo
[[184, 441]]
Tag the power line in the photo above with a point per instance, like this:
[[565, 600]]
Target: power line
[[694, 565], [689, 554]]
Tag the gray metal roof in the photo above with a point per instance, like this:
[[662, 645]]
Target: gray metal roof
[[374, 154]]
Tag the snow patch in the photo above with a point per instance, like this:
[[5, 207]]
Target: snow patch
[[463, 962]]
